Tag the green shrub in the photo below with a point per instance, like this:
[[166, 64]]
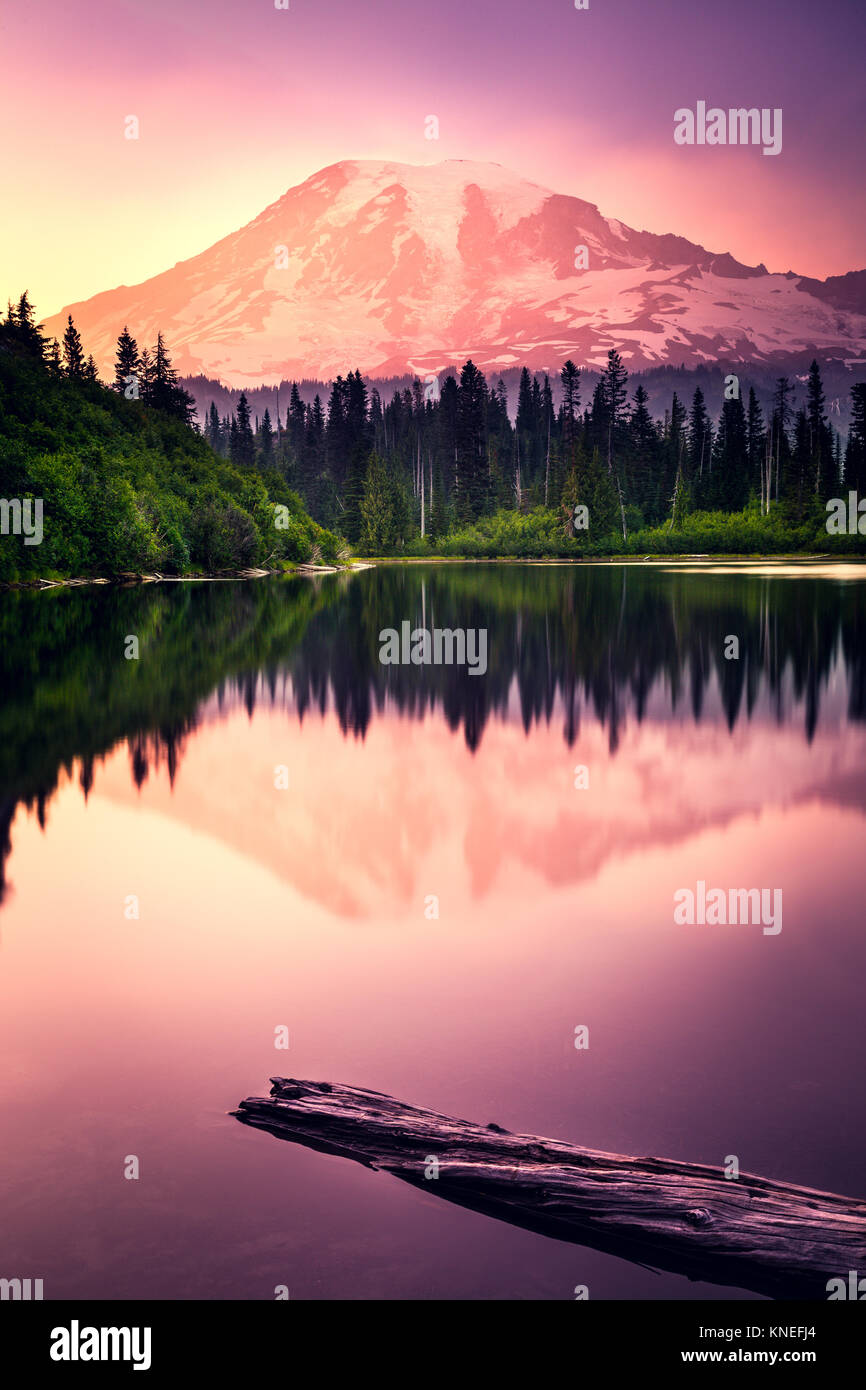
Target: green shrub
[[127, 488]]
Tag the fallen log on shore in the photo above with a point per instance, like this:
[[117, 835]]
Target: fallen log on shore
[[751, 1233]]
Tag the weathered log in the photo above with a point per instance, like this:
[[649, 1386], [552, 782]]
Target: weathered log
[[749, 1233]]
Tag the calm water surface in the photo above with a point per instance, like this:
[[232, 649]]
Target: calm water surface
[[305, 907]]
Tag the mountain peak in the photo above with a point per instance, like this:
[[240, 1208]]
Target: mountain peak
[[394, 267]]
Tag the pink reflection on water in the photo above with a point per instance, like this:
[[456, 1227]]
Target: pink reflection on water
[[305, 907]]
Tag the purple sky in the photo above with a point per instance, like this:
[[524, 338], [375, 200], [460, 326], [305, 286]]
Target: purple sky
[[237, 101]]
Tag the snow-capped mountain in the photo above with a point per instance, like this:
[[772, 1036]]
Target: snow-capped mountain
[[397, 268]]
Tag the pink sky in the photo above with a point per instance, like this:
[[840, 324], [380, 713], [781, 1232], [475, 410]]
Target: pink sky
[[239, 102]]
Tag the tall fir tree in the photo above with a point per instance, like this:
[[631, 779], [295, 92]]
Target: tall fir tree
[[642, 456], [798, 480], [822, 459], [570, 380], [145, 376], [471, 442], [673, 458], [127, 362], [243, 444], [164, 382], [214, 430], [780, 443], [615, 392], [755, 441], [295, 420], [855, 450], [73, 355], [700, 438], [29, 334], [266, 441], [726, 486], [438, 525]]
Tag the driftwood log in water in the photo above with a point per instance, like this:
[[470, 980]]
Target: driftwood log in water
[[750, 1233]]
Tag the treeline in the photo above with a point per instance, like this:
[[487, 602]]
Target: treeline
[[444, 458], [147, 376], [441, 467], [63, 650], [126, 483]]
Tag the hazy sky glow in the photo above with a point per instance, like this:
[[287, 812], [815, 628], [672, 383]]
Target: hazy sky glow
[[239, 101]]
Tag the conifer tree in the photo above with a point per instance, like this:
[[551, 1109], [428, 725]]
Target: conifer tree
[[780, 444], [755, 441], [377, 420], [680, 499], [164, 382], [378, 519], [673, 460], [336, 432], [357, 444], [29, 334], [642, 461], [447, 432], [855, 452], [213, 430], [266, 441], [822, 462], [700, 437], [471, 442], [127, 362], [614, 392], [145, 376], [295, 422], [310, 454], [162, 390], [526, 426], [726, 486], [589, 484], [595, 421], [798, 484], [570, 379], [73, 356], [243, 444], [438, 525]]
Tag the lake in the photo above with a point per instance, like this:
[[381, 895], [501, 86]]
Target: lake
[[430, 878]]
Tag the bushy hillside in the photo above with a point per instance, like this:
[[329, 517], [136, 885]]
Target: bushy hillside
[[127, 486]]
